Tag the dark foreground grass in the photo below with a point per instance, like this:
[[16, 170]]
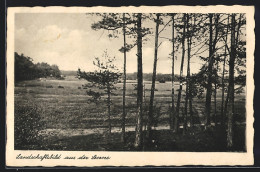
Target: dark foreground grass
[[197, 140]]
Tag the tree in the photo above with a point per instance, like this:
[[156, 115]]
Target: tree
[[176, 120], [124, 85], [138, 135], [132, 24], [208, 94], [104, 79], [188, 77], [55, 72], [25, 69], [114, 22], [237, 54], [223, 76], [212, 48], [150, 113], [231, 85], [173, 77], [192, 87]]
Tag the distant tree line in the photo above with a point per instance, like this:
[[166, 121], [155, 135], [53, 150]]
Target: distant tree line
[[133, 76], [25, 69], [69, 72], [159, 77], [148, 77]]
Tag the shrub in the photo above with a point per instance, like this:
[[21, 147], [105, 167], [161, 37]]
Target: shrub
[[162, 81], [27, 124]]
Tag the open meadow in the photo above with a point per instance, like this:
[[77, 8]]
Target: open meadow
[[67, 119]]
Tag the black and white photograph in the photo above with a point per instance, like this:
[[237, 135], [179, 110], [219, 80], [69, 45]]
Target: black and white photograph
[[130, 80]]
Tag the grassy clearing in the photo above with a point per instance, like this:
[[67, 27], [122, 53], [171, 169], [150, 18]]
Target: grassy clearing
[[69, 108]]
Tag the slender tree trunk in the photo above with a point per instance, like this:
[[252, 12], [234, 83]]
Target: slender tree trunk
[[124, 85], [212, 48], [191, 111], [209, 84], [139, 121], [215, 96], [231, 85], [187, 82], [150, 113], [176, 120], [173, 109], [190, 90], [235, 42], [226, 102], [223, 81], [109, 108]]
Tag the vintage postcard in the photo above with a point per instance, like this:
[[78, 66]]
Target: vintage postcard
[[130, 86]]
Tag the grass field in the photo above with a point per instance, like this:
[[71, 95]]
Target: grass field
[[72, 122]]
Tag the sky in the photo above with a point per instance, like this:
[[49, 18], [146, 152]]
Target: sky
[[67, 40]]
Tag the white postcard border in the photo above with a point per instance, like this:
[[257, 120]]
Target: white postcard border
[[133, 158]]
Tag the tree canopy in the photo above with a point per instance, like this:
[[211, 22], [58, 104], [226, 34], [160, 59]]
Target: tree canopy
[[25, 69]]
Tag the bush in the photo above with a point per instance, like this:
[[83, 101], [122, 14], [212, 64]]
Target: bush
[[162, 81], [27, 124]]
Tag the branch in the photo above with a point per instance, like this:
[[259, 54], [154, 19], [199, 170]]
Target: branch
[[159, 44], [225, 40], [164, 26], [165, 38]]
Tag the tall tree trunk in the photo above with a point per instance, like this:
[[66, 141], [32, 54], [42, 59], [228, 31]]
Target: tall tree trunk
[[124, 85], [235, 42], [139, 120], [212, 48], [190, 90], [187, 81], [173, 109], [209, 84], [231, 85], [176, 120], [223, 81], [150, 113]]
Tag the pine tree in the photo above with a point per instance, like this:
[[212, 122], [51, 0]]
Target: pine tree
[[231, 84], [139, 117], [150, 113], [104, 79], [173, 108], [188, 77], [113, 22], [176, 120], [212, 51]]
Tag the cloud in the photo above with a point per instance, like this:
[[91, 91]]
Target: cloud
[[54, 45], [49, 33], [69, 44]]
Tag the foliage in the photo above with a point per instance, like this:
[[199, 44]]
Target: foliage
[[114, 23], [45, 70], [25, 69], [148, 76], [104, 78], [27, 124]]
